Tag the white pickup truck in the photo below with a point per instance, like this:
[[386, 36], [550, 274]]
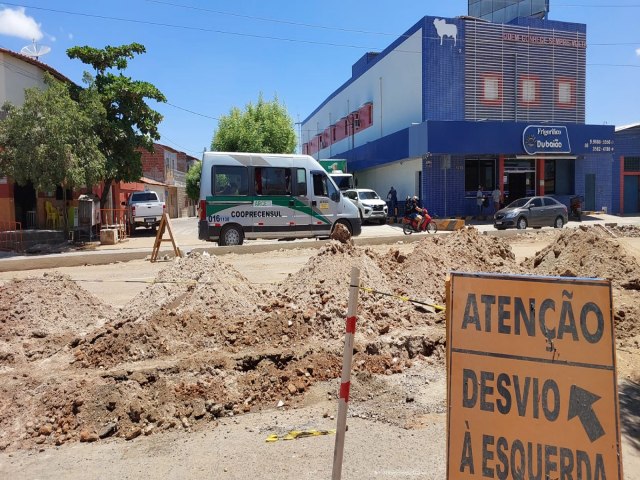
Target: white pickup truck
[[144, 209]]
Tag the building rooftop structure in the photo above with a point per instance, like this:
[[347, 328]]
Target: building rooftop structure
[[504, 11]]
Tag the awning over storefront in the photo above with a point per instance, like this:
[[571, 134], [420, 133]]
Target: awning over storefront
[[509, 138]]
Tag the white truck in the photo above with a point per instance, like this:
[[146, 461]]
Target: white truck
[[337, 170], [144, 209]]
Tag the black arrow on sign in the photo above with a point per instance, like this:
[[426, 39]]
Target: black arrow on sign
[[581, 405]]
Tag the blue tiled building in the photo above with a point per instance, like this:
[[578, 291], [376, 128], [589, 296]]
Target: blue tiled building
[[626, 179], [455, 103]]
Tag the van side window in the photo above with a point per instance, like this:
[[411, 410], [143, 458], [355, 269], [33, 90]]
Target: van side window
[[301, 181], [230, 180], [323, 187], [273, 181]]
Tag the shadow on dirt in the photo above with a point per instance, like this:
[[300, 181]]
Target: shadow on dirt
[[630, 411]]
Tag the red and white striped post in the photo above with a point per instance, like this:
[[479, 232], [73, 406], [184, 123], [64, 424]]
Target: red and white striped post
[[345, 382]]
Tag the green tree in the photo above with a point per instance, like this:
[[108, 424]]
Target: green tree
[[129, 123], [50, 140], [265, 127], [193, 181]]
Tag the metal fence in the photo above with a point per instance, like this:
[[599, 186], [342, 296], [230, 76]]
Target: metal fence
[[11, 236]]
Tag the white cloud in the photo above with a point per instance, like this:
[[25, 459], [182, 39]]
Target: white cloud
[[15, 23], [638, 52]]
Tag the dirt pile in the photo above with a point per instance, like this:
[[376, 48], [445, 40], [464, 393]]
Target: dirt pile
[[422, 273], [592, 253], [585, 252], [39, 316], [202, 342], [188, 306]]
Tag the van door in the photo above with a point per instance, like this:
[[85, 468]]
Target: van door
[[300, 201], [325, 203], [273, 215]]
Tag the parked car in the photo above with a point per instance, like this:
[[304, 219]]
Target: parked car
[[144, 209], [369, 203], [531, 212]]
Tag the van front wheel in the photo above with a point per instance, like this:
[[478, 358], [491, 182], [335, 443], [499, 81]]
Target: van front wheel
[[231, 235]]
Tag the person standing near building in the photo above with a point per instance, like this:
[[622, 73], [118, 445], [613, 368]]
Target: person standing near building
[[392, 198], [479, 200], [497, 197]]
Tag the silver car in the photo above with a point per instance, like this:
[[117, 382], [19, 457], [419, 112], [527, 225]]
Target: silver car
[[531, 212]]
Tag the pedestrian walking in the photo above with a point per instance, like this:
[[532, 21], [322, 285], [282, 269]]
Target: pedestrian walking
[[479, 200], [392, 198], [497, 199]]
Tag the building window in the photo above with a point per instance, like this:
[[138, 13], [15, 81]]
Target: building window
[[491, 90], [529, 90], [479, 172], [559, 177], [632, 164], [566, 92]]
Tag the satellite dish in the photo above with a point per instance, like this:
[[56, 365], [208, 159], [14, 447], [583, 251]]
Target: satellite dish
[[34, 50]]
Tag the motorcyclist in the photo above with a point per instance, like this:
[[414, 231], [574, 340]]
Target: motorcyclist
[[415, 211]]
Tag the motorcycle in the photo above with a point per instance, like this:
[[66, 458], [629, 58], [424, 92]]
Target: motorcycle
[[410, 225], [575, 207]]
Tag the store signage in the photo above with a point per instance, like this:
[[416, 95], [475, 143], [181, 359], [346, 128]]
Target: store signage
[[531, 378], [597, 145], [545, 139]]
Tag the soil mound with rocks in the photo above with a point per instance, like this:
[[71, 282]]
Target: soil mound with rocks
[[592, 253], [585, 252], [185, 308], [422, 273], [40, 315], [202, 342]]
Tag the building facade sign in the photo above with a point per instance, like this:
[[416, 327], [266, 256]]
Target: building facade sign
[[542, 40], [545, 139]]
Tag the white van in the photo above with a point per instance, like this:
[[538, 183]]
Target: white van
[[256, 195]]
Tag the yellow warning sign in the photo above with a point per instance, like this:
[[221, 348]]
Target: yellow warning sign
[[532, 386]]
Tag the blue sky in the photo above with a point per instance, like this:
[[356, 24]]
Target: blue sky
[[208, 57]]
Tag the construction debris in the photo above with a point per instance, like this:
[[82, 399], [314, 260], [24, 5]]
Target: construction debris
[[204, 342]]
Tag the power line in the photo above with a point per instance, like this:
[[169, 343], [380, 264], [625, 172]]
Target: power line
[[184, 149], [251, 35], [273, 20], [341, 29], [189, 27], [588, 5], [191, 111]]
